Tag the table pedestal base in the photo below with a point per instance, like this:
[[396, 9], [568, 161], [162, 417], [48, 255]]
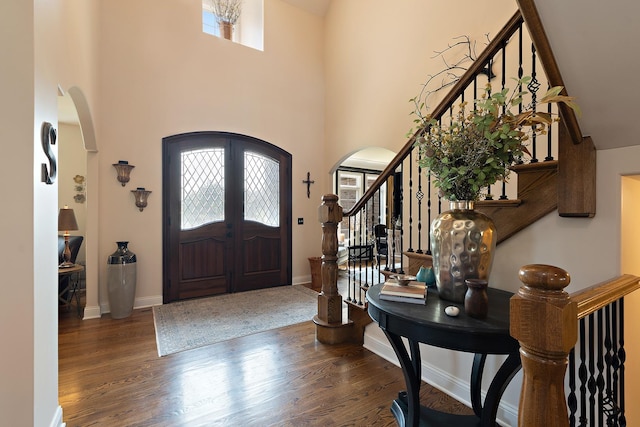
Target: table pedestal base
[[430, 417]]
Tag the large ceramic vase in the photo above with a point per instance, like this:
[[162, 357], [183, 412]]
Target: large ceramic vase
[[121, 281], [463, 242]]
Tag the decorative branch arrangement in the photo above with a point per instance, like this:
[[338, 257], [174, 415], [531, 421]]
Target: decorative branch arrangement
[[452, 70], [227, 11], [478, 147]]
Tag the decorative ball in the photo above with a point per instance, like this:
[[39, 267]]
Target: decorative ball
[[452, 311]]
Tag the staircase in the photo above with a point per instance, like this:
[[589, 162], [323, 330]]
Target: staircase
[[559, 176], [562, 179]]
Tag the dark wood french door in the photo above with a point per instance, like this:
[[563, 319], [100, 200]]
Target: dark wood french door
[[226, 215]]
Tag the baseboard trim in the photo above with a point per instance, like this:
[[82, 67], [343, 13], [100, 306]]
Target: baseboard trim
[[57, 418], [92, 312], [300, 280], [137, 303], [456, 387], [147, 301]]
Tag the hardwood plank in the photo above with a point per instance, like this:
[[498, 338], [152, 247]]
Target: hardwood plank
[[110, 375]]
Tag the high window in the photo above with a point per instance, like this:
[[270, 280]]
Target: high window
[[248, 30]]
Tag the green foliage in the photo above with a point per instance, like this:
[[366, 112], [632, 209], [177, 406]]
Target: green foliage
[[478, 147]]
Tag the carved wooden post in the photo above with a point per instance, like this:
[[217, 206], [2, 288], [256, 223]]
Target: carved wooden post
[[544, 321], [329, 326], [330, 215]]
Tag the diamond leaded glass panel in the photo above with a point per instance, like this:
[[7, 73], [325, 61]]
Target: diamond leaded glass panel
[[202, 194], [261, 189]]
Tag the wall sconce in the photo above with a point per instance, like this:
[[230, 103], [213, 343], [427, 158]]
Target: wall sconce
[[141, 197], [124, 169]]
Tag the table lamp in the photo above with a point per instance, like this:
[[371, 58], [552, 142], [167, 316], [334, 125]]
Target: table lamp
[[66, 222]]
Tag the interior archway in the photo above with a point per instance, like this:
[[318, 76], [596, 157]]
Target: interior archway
[[74, 117]]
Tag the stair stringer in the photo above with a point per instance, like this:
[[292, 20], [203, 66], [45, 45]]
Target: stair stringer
[[537, 197]]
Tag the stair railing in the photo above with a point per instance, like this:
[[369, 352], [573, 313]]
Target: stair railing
[[548, 323], [413, 202]]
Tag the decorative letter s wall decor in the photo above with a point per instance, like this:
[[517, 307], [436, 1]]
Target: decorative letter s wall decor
[[48, 137]]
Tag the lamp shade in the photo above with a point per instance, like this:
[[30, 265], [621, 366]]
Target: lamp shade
[[67, 220]]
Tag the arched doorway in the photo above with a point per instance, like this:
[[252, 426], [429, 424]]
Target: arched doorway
[[74, 113], [226, 215]]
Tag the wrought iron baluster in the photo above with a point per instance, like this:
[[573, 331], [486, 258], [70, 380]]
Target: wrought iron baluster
[[582, 374], [352, 238], [572, 401], [401, 231], [611, 407], [520, 69], [362, 248], [490, 67], [410, 248], [533, 87], [420, 196], [608, 357], [549, 135], [622, 420], [591, 383], [600, 364], [503, 196]]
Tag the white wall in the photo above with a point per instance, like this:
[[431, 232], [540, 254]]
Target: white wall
[[172, 78], [28, 318], [16, 136]]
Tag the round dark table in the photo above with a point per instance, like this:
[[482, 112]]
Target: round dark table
[[429, 324]]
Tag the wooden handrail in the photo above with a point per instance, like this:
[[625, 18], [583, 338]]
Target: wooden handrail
[[528, 14], [467, 78], [598, 296], [544, 52]]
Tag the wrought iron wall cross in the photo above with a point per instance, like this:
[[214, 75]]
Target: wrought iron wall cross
[[308, 182]]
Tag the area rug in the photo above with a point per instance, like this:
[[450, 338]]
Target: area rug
[[186, 325]]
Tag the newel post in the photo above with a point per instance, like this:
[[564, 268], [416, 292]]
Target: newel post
[[544, 321], [330, 215], [329, 319]]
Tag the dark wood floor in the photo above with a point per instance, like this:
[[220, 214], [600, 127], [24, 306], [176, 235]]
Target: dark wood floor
[[110, 375]]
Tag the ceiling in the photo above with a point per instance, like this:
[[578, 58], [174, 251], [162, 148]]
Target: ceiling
[[374, 158], [595, 46]]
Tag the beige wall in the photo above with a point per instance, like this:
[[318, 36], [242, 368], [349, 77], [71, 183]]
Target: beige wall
[[630, 231], [377, 57], [172, 78]]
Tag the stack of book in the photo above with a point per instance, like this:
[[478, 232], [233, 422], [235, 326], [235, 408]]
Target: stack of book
[[414, 292]]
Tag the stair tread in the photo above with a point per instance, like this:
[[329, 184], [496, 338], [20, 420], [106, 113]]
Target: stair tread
[[513, 203]]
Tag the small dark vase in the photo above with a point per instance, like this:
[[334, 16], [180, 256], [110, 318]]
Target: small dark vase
[[476, 300]]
